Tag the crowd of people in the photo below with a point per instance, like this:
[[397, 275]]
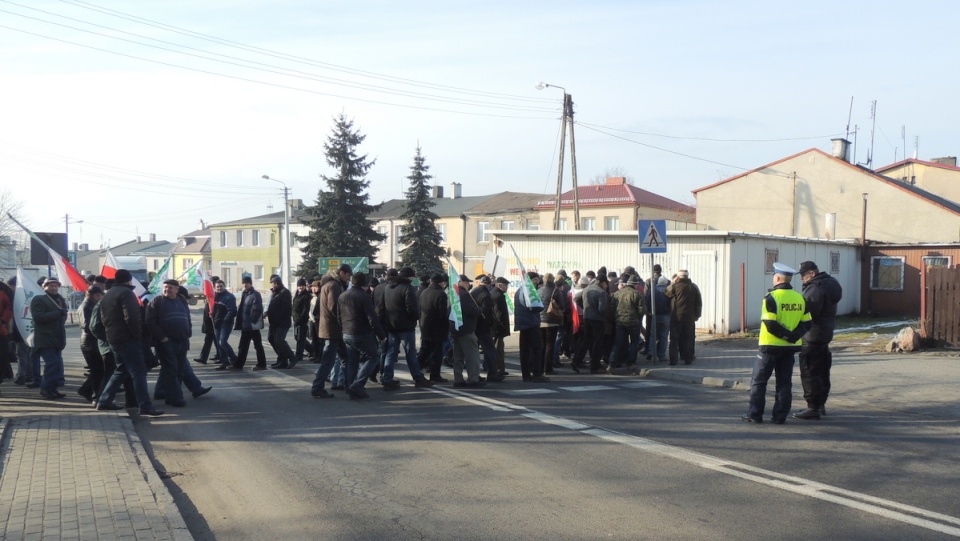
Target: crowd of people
[[354, 326]]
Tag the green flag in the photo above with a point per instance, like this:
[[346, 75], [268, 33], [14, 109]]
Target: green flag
[[531, 299], [156, 285], [453, 294]]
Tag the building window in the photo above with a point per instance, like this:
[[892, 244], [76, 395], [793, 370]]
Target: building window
[[258, 272], [507, 225], [273, 238], [256, 237], [611, 223], [533, 227], [187, 263], [886, 273], [384, 232], [225, 275], [562, 224], [483, 232], [834, 262], [589, 224], [293, 239], [936, 261], [770, 257], [239, 238], [223, 239], [442, 230], [397, 232], [156, 264]]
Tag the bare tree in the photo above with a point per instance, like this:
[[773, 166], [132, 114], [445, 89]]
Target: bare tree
[[9, 204], [615, 171]]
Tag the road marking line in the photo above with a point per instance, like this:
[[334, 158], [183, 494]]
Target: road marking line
[[588, 388], [530, 391], [642, 384]]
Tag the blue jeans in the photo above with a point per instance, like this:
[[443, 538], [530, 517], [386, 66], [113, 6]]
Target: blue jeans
[[394, 339], [227, 355], [129, 359], [781, 364], [52, 368], [362, 358], [621, 347], [558, 343], [327, 361], [173, 355], [662, 338]]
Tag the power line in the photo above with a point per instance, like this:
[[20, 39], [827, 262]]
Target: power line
[[775, 140]]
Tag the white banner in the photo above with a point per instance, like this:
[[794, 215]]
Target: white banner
[[27, 289]]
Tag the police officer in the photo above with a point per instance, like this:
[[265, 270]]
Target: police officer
[[784, 320]]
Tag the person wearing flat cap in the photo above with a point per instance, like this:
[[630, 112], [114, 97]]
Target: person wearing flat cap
[[49, 337], [784, 319], [822, 293], [434, 325], [466, 349], [686, 305]]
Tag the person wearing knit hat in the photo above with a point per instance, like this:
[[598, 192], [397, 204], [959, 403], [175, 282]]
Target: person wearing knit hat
[[399, 310], [686, 305], [300, 311]]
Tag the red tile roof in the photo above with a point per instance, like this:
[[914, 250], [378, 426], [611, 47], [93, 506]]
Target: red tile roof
[[615, 195]]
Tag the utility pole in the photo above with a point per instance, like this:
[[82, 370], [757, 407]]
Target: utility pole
[[565, 121]]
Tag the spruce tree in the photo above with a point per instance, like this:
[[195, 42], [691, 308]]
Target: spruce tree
[[419, 233], [338, 221]]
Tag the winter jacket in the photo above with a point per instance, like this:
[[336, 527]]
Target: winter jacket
[[434, 313], [663, 303], [224, 310], [84, 311], [822, 293], [595, 300], [300, 308], [481, 294], [470, 311], [169, 318], [399, 311], [280, 310], [686, 304], [250, 313], [6, 310], [555, 293], [357, 314], [120, 313], [330, 290], [524, 317], [501, 314], [49, 316], [627, 307]]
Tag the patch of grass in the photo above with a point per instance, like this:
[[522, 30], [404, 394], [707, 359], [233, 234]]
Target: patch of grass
[[857, 321]]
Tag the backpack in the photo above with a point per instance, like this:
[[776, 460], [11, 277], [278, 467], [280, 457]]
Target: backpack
[[96, 324]]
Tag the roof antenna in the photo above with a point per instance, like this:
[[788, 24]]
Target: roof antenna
[[873, 125], [849, 115]]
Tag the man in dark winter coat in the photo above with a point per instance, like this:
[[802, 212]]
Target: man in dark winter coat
[[328, 327], [686, 304], [434, 325], [168, 322], [822, 292], [249, 322], [399, 312], [123, 324], [501, 321], [301, 319], [481, 294], [224, 315], [466, 351], [49, 337], [526, 321], [361, 333], [280, 317], [209, 331]]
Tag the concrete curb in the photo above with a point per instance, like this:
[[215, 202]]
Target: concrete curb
[[178, 527], [737, 384]]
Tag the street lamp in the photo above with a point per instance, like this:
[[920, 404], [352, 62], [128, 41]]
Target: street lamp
[[567, 119], [286, 230]]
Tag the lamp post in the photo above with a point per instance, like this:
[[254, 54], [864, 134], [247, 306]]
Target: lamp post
[[286, 230], [567, 120]]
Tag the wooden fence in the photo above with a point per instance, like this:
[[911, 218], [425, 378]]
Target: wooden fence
[[940, 321]]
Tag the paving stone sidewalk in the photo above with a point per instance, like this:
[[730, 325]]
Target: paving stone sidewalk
[[66, 473]]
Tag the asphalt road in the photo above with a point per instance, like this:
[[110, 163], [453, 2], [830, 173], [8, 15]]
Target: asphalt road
[[582, 457]]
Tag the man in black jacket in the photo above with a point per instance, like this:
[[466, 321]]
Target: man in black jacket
[[280, 315], [466, 352], [120, 312], [361, 333], [481, 294], [501, 321], [400, 312], [822, 292], [434, 325], [301, 319]]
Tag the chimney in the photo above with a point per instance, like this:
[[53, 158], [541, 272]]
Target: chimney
[[946, 160], [436, 192], [74, 246], [203, 224], [455, 190], [85, 247], [841, 149], [153, 237], [138, 239], [616, 181]]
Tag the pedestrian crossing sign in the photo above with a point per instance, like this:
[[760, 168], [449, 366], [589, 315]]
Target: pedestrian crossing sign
[[653, 236]]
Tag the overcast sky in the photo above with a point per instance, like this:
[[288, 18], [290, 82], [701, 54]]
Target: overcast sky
[[145, 117]]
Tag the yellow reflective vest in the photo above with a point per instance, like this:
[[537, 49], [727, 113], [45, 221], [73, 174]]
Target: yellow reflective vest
[[787, 307]]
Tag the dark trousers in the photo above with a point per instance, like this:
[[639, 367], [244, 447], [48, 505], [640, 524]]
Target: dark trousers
[[94, 382], [277, 337], [485, 340], [591, 341], [531, 353], [300, 334], [209, 339], [683, 337], [815, 363], [626, 346], [244, 347], [501, 365], [173, 355], [432, 351], [548, 336], [770, 362]]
